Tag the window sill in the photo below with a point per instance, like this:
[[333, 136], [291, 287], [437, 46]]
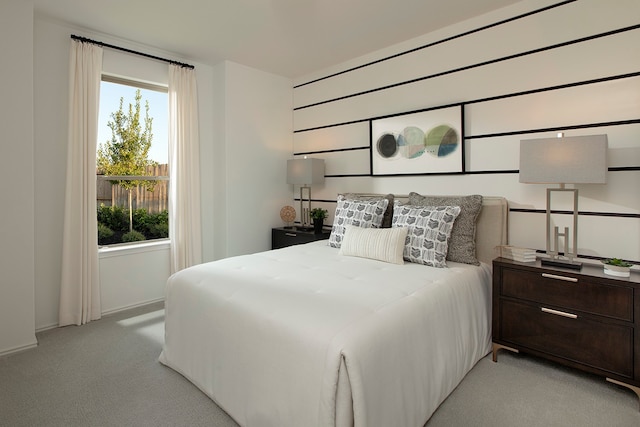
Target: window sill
[[133, 248]]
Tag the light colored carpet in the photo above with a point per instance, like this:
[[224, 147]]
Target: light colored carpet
[[107, 373]]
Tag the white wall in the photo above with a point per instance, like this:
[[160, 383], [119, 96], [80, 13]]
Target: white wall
[[16, 176], [558, 49], [245, 126], [258, 140], [51, 64]]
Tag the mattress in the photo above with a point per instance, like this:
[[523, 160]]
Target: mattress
[[304, 336]]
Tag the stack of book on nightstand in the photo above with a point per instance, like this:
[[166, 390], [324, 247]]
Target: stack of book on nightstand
[[518, 254]]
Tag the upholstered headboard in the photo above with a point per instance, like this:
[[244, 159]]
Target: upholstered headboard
[[491, 225]]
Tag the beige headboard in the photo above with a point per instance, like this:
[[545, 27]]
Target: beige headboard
[[491, 229]]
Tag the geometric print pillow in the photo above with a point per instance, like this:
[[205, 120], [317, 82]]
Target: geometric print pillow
[[429, 230], [462, 242], [360, 213]]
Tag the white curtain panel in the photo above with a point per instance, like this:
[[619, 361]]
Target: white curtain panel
[[80, 287], [184, 170]]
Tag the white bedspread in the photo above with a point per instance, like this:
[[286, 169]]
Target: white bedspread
[[269, 336]]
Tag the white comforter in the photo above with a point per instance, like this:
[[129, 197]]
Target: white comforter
[[303, 336]]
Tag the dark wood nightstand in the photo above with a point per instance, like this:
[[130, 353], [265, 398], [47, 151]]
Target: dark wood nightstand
[[584, 319], [282, 236]]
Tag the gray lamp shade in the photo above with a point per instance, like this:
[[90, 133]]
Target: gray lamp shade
[[305, 171], [570, 160]]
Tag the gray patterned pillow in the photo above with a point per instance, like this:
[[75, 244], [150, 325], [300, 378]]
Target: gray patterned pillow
[[388, 214], [462, 244], [429, 230], [367, 214]]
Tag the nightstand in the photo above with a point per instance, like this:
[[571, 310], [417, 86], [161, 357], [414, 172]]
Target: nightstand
[[282, 237], [582, 319]]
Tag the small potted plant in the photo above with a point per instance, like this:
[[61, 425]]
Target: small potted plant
[[318, 215], [617, 267]]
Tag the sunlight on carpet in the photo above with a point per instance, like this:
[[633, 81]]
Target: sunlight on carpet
[[149, 325]]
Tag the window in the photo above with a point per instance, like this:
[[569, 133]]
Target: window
[[132, 162]]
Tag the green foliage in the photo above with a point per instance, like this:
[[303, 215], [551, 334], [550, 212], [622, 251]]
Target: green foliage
[[318, 213], [115, 220], [154, 226], [104, 232], [114, 217], [127, 152], [618, 262], [133, 236]]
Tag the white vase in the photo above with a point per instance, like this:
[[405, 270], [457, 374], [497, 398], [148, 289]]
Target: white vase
[[616, 270]]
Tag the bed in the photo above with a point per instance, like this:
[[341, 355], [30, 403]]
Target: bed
[[306, 336]]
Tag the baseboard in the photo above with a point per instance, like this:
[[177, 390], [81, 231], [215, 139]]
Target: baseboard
[[18, 349], [129, 307], [46, 327], [105, 313]]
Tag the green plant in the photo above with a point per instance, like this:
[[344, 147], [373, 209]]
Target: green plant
[[104, 232], [153, 226], [114, 217], [318, 213], [133, 236], [617, 262], [128, 150]]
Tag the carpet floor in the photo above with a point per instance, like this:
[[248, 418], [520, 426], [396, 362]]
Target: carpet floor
[[106, 373]]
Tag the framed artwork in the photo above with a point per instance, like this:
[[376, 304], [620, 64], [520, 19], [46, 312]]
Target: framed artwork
[[422, 143]]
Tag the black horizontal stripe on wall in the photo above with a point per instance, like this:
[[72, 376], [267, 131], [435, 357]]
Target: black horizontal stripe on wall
[[582, 213], [320, 200], [477, 65], [624, 169], [556, 87], [445, 40], [555, 128], [491, 172], [508, 171], [353, 175], [334, 150], [352, 122], [480, 100]]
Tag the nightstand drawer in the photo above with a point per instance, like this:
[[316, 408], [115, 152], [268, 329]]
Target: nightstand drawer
[[605, 346], [569, 291], [283, 237]]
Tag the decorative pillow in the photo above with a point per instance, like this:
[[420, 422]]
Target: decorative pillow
[[462, 243], [388, 214], [382, 244], [366, 214], [429, 230]]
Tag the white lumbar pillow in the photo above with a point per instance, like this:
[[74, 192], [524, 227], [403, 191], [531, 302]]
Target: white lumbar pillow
[[383, 244]]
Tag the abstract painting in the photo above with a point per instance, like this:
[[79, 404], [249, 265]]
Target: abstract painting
[[419, 143]]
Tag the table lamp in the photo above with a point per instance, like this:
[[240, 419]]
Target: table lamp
[[305, 172], [570, 160]]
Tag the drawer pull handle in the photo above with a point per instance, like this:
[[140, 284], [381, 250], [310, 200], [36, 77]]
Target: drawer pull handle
[[290, 234], [559, 313], [555, 276]]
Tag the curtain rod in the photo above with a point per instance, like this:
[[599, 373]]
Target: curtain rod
[[86, 40]]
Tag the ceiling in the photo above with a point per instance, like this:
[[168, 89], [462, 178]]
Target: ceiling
[[290, 38]]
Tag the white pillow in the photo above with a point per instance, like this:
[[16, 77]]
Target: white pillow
[[382, 244], [429, 230]]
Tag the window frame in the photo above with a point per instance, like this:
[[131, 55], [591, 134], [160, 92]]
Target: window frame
[[115, 249]]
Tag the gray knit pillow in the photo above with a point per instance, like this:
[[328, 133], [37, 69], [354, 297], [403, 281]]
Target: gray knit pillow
[[462, 243]]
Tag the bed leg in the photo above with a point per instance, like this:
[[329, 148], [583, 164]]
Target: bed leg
[[495, 347], [634, 389]]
